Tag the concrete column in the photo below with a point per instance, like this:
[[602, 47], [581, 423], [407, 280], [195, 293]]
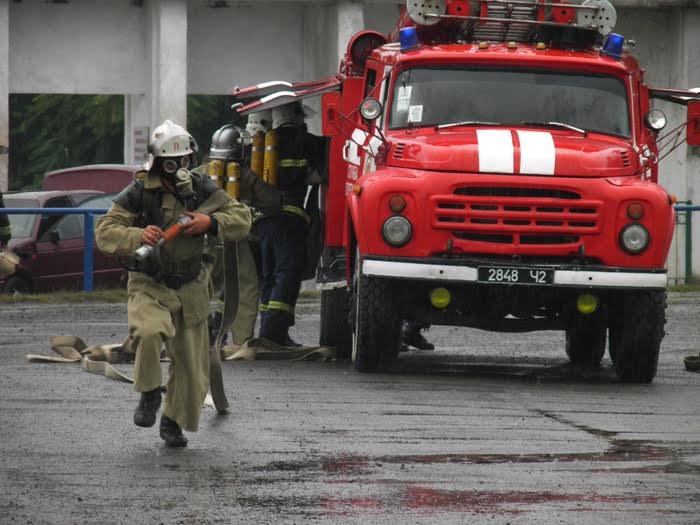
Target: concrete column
[[351, 19], [688, 76], [137, 116], [4, 92], [168, 61]]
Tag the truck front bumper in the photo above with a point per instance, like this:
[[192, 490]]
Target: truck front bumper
[[467, 271]]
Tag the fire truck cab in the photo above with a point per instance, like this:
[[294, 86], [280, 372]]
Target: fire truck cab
[[494, 164]]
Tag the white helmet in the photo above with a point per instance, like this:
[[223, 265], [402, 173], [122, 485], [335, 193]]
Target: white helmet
[[287, 114], [259, 121], [170, 140]]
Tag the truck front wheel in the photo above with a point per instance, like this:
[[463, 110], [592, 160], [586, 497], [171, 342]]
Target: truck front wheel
[[375, 323], [636, 332]]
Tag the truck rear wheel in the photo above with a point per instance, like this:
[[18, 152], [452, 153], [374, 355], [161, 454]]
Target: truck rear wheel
[[585, 339], [375, 323], [635, 335], [335, 321]]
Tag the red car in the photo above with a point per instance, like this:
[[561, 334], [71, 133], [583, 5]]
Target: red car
[[110, 178], [51, 246]]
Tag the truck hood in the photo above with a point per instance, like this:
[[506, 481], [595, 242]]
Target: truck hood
[[520, 152]]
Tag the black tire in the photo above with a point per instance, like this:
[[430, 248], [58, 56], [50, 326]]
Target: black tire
[[335, 321], [375, 323], [635, 335], [585, 339], [17, 285]]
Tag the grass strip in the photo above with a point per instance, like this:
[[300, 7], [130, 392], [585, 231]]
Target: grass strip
[[118, 295]]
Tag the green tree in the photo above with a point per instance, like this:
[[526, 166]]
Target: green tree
[[206, 114], [49, 132]]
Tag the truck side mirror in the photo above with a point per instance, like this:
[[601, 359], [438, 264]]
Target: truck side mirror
[[331, 121], [692, 132]]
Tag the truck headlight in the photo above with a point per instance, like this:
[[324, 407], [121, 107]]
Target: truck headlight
[[634, 238], [397, 231]]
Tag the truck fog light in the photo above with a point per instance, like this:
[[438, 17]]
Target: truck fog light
[[587, 303], [397, 231], [440, 297], [634, 238]]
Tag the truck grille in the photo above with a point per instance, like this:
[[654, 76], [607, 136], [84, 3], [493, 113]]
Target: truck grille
[[524, 216]]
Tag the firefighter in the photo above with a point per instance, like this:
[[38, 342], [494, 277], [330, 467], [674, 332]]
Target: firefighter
[[168, 298], [283, 238], [5, 232], [229, 145]]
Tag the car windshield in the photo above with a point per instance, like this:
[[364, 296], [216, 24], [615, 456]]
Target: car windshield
[[21, 225], [438, 96], [100, 201]]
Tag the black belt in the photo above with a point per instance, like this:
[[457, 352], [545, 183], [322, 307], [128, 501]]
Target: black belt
[[177, 280]]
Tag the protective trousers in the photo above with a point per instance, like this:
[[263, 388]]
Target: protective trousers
[[243, 326], [152, 325], [283, 253]]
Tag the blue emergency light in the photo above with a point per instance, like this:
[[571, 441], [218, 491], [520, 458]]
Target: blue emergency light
[[408, 38], [613, 45]]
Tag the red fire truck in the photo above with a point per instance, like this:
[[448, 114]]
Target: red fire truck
[[494, 164]]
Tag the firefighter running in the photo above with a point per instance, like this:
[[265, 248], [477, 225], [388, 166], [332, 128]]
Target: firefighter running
[[168, 297]]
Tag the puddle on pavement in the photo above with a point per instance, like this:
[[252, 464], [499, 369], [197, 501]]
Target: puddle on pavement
[[421, 499]]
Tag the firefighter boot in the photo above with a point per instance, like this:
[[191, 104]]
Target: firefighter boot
[[288, 341], [145, 413], [411, 336], [171, 432], [420, 342]]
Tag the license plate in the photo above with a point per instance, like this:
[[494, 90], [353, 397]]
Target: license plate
[[510, 275]]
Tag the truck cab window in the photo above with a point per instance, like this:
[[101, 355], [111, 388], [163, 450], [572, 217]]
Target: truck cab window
[[432, 96]]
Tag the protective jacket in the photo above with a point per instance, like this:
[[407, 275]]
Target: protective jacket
[[255, 193], [297, 156], [5, 232]]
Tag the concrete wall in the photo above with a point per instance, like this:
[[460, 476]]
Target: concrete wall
[[668, 47], [83, 47]]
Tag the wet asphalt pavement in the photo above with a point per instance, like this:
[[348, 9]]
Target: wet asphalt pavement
[[489, 428]]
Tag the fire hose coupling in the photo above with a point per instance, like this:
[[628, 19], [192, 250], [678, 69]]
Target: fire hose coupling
[[145, 251]]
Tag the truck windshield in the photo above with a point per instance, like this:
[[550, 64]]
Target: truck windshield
[[435, 96]]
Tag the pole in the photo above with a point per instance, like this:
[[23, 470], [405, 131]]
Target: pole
[[88, 249], [688, 245]]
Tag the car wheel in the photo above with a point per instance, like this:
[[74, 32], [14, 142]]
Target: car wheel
[[17, 285]]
